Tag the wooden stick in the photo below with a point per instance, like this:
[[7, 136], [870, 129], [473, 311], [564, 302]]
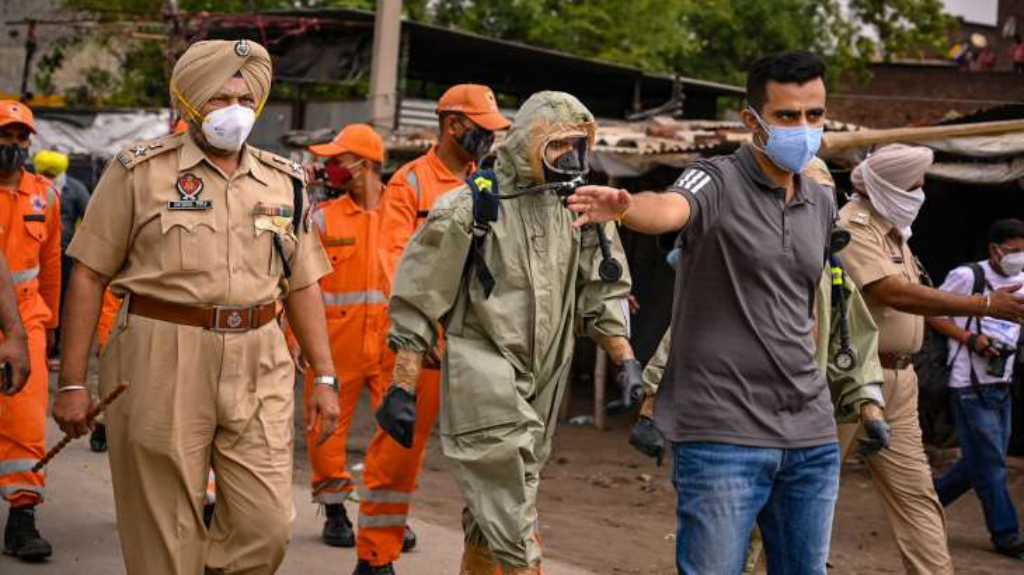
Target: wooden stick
[[93, 414], [839, 140]]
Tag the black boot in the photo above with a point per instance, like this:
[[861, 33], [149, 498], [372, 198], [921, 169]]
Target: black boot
[[21, 539], [337, 528], [98, 439], [409, 540], [364, 568]]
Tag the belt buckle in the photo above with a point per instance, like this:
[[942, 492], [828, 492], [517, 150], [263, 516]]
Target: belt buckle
[[232, 318]]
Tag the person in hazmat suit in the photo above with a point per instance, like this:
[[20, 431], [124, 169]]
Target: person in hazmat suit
[[500, 267]]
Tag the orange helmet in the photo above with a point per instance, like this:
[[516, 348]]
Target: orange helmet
[[14, 112]]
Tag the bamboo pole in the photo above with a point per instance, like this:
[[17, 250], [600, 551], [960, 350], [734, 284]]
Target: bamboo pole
[[840, 140]]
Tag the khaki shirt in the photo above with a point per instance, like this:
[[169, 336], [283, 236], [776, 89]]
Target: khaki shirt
[[877, 251], [166, 223]]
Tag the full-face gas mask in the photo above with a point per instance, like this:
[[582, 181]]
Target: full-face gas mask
[[565, 159], [564, 165]]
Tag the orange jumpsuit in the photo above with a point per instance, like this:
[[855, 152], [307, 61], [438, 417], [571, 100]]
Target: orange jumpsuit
[[30, 238], [356, 301], [108, 314], [391, 472]]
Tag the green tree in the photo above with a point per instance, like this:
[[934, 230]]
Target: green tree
[[713, 39], [710, 39]]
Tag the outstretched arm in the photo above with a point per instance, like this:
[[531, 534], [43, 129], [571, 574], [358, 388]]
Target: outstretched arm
[[648, 212]]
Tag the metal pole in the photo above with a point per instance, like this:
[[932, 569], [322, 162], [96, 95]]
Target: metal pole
[[384, 72]]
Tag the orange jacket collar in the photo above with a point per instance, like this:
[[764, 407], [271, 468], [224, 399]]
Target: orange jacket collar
[[444, 175]]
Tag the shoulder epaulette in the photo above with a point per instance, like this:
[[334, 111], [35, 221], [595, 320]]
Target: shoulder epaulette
[[861, 219], [293, 169], [141, 151]]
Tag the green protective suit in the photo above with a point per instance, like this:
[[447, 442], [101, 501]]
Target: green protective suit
[[849, 389], [508, 355]]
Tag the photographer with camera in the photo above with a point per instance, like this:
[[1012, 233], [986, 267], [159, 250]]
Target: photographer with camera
[[981, 352]]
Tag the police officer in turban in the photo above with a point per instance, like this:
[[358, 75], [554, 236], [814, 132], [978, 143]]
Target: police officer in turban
[[208, 241]]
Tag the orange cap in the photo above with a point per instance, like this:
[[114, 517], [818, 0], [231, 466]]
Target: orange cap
[[181, 126], [477, 103], [14, 112], [358, 139]]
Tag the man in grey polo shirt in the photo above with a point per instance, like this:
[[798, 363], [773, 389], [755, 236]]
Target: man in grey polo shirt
[[743, 402]]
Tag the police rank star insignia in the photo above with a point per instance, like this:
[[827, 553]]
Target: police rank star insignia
[[189, 186], [243, 49], [139, 151]]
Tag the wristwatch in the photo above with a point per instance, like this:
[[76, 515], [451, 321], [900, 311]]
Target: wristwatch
[[327, 380]]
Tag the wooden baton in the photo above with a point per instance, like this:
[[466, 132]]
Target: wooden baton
[[93, 414]]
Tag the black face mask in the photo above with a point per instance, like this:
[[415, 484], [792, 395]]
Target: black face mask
[[567, 166], [476, 142], [12, 157]]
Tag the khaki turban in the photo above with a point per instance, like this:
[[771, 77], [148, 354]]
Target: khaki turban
[[204, 68]]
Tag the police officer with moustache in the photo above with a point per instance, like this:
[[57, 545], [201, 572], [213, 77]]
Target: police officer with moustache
[[208, 239]]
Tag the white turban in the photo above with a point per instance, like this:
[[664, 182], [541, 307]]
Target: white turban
[[886, 178]]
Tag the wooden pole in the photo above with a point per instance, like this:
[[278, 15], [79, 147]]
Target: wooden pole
[[600, 384], [840, 140], [93, 414]]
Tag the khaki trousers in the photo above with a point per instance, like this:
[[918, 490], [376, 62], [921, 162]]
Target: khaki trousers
[[198, 400], [903, 480]]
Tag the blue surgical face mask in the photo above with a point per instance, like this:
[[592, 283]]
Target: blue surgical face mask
[[789, 147]]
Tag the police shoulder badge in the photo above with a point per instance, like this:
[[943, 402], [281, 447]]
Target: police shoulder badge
[[243, 49], [189, 187]]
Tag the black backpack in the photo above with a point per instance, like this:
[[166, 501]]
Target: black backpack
[[933, 367]]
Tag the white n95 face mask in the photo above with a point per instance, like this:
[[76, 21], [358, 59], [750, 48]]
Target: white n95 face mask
[[1012, 264], [228, 128]]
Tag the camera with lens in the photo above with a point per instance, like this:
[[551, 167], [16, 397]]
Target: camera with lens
[[997, 363]]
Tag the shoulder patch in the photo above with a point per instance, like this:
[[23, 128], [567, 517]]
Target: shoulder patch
[[293, 169], [693, 180], [139, 152]]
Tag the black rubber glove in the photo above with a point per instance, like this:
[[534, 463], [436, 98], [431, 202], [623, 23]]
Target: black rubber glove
[[630, 379], [397, 415], [878, 434], [646, 439]]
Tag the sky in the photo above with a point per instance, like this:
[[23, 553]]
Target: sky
[[976, 11]]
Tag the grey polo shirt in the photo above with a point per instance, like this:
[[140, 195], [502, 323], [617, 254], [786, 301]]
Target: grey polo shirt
[[742, 366]]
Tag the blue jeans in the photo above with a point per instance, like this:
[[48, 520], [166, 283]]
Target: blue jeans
[[984, 433], [723, 489]]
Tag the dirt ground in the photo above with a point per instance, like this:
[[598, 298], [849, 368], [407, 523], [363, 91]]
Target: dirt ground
[[610, 510]]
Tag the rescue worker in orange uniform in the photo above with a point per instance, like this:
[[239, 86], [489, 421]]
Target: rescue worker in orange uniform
[[468, 117], [30, 237], [355, 298]]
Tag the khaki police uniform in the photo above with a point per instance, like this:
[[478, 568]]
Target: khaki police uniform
[[902, 476], [177, 235]]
